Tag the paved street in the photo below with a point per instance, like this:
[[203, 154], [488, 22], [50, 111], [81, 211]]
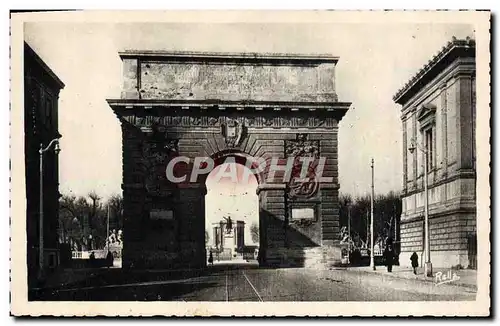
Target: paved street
[[250, 283]]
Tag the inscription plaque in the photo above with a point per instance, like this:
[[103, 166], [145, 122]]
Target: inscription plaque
[[306, 213], [161, 214]]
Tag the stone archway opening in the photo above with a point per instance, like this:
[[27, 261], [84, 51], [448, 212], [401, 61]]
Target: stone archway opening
[[232, 214]]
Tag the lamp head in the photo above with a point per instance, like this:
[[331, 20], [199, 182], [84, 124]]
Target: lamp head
[[412, 147], [57, 149]]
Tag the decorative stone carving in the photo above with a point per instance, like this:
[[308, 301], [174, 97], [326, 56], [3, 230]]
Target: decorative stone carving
[[250, 121], [195, 121], [303, 223], [214, 121], [232, 132], [302, 147], [157, 151], [316, 122], [176, 120], [285, 122], [267, 122], [301, 122]]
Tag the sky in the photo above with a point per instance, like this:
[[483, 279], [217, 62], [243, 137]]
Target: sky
[[375, 61]]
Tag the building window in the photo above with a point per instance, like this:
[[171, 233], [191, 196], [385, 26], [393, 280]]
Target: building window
[[427, 119], [48, 113], [429, 145]]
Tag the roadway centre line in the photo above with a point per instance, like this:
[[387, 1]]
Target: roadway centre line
[[253, 287]]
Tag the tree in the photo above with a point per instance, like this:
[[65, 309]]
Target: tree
[[207, 237], [254, 232], [80, 217], [70, 228], [386, 211], [115, 203]]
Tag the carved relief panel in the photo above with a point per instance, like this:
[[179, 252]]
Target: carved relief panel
[[157, 151], [304, 152]]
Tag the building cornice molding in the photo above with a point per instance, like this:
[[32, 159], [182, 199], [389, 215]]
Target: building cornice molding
[[434, 213], [465, 175], [50, 76], [460, 67], [454, 49]]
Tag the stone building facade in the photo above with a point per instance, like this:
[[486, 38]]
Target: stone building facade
[[41, 93], [227, 105], [438, 113]]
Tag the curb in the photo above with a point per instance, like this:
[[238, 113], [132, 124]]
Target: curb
[[427, 280]]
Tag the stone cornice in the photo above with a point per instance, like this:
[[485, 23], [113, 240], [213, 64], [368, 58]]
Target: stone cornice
[[218, 105], [230, 56], [454, 49], [460, 67], [335, 110]]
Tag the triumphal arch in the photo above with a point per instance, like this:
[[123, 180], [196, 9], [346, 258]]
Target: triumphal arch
[[244, 106]]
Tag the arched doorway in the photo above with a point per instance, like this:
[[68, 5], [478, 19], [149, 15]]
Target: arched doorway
[[232, 214]]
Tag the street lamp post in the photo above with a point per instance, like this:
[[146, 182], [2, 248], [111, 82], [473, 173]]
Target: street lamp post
[[372, 258], [55, 143], [349, 232], [428, 264]]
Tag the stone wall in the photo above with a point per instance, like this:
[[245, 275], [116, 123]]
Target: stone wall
[[254, 79]]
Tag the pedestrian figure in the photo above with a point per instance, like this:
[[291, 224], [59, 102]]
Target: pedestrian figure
[[109, 258], [414, 262], [211, 258], [389, 257], [92, 259]]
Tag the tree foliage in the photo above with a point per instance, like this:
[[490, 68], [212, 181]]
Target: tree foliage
[[386, 211], [254, 232], [83, 220]]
